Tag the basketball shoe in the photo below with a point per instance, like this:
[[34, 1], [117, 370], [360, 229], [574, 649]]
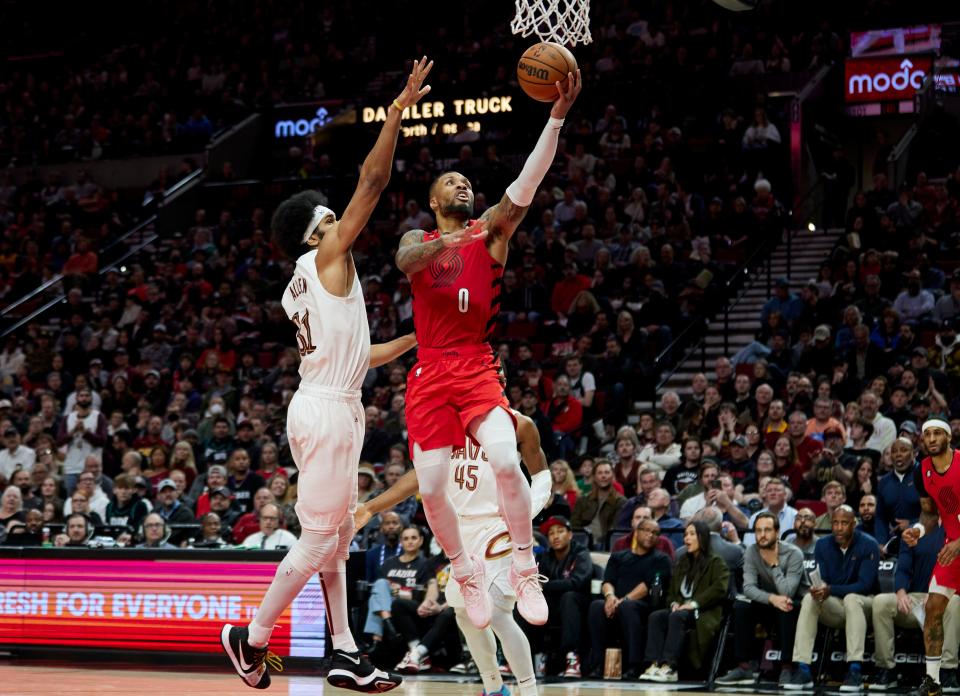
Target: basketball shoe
[[249, 662], [352, 670], [530, 601], [476, 599]]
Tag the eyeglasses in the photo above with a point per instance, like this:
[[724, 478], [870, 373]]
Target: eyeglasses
[[152, 525]]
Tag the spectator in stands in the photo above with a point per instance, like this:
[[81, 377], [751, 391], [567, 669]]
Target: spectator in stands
[[648, 482], [773, 586], [898, 503], [271, 535], [664, 453], [884, 430], [847, 562], [78, 531], [597, 510], [564, 482], [221, 502], [83, 432], [155, 533], [698, 587], [567, 567], [628, 541], [249, 523], [947, 307], [687, 472], [633, 582], [900, 608], [242, 481], [169, 506], [11, 506], [215, 477], [96, 499], [125, 509], [806, 447], [566, 414], [914, 304], [218, 448], [834, 495], [211, 533], [15, 455], [774, 496], [627, 467], [822, 419]]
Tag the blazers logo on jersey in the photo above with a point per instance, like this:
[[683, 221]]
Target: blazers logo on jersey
[[447, 268]]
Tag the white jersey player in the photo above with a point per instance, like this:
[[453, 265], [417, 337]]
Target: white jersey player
[[325, 423], [472, 488]]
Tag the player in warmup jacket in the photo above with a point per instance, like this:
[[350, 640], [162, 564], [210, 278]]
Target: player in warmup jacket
[[454, 390], [325, 420], [937, 481], [472, 487]]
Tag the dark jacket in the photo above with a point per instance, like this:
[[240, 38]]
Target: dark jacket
[[852, 573], [896, 499], [572, 574], [709, 593], [586, 508]]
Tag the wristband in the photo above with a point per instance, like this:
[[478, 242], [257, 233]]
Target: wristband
[[920, 528], [399, 107]]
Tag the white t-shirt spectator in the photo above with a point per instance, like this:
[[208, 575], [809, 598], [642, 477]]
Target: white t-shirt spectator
[[21, 458], [98, 504]]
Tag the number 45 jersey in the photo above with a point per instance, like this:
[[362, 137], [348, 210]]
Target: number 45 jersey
[[333, 336]]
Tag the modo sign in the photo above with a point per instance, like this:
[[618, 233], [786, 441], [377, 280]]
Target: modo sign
[[885, 79]]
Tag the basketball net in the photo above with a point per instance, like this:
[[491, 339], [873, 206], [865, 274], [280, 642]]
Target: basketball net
[[567, 22]]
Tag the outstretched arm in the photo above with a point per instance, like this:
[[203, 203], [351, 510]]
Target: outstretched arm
[[405, 486], [375, 172], [507, 214], [382, 353], [415, 254]]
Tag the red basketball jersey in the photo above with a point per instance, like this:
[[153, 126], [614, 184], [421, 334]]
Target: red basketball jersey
[[945, 491], [456, 298]]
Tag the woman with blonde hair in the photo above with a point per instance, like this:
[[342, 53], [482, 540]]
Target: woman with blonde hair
[[583, 313], [182, 458], [564, 482]]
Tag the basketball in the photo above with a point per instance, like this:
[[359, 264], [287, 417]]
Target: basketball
[[541, 66]]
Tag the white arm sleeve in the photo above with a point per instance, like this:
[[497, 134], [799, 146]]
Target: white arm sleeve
[[522, 190], [541, 485]]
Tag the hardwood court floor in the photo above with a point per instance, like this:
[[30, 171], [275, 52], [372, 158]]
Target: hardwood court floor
[[24, 679]]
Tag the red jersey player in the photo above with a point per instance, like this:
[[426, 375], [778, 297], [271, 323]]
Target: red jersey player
[[937, 480], [454, 390]]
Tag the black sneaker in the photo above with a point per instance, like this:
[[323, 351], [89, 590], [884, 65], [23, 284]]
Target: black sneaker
[[927, 688], [853, 682], [883, 680], [948, 681], [353, 671], [249, 662]]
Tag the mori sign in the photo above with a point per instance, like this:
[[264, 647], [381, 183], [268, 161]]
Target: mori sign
[[885, 79]]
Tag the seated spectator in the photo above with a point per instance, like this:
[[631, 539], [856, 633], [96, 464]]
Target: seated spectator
[[11, 506], [709, 473], [97, 500], [898, 502], [79, 503], [671, 528], [834, 495], [249, 523], [884, 430], [914, 304], [566, 414], [633, 583], [773, 585], [822, 420], [216, 477], [804, 532], [806, 447], [725, 542], [155, 533], [774, 496], [698, 588], [564, 482], [663, 453], [568, 570], [900, 609], [687, 472], [15, 455], [867, 515], [627, 466], [388, 546], [78, 531], [169, 507], [847, 563], [271, 535], [242, 481], [629, 541], [649, 480], [210, 534], [597, 510], [21, 479], [221, 502], [126, 509]]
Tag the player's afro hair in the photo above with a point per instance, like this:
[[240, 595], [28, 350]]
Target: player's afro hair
[[290, 221]]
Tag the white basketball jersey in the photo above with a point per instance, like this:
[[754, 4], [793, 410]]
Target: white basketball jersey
[[333, 336], [472, 486]]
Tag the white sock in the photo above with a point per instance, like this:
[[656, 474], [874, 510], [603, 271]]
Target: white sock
[[933, 668], [334, 585], [483, 649], [516, 647], [421, 650], [412, 645]]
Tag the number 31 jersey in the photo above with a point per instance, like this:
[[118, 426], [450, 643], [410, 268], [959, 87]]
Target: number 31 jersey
[[333, 336], [456, 298]]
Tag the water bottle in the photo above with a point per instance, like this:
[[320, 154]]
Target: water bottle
[[656, 591], [46, 537]]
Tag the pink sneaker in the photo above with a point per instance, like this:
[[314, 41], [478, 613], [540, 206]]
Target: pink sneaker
[[530, 601], [476, 599]]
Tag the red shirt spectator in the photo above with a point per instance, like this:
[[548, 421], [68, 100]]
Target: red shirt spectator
[[567, 288], [564, 411]]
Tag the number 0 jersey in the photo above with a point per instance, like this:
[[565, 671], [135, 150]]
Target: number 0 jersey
[[333, 336], [456, 298]]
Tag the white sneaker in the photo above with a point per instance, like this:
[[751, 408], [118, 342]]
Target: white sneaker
[[413, 663], [530, 600], [476, 598], [651, 673], [667, 674]]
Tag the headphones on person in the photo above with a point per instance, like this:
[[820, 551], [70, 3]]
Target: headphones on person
[[88, 529], [141, 534]]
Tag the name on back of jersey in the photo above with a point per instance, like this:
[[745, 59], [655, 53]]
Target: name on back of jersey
[[298, 286]]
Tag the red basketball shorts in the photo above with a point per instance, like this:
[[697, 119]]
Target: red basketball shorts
[[946, 579], [446, 390]]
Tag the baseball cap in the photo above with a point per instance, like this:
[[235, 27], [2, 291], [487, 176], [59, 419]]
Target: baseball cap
[[245, 425], [920, 351], [190, 432], [6, 403], [152, 373], [166, 483], [160, 327], [217, 469], [222, 490], [554, 520], [10, 431], [739, 441], [368, 470], [140, 481], [909, 426], [822, 333]]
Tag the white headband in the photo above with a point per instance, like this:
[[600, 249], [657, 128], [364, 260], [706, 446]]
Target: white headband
[[318, 214], [937, 423], [905, 440]]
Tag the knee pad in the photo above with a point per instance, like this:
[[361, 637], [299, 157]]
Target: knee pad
[[312, 552]]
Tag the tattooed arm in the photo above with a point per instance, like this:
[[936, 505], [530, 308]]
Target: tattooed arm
[[415, 254]]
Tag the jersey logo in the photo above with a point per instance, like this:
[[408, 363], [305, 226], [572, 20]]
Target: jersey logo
[[447, 268], [498, 547]]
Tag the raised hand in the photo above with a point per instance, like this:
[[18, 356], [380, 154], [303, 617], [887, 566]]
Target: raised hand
[[567, 96], [466, 236], [414, 92]]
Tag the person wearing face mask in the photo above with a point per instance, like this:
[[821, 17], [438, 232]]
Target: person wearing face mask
[[83, 432]]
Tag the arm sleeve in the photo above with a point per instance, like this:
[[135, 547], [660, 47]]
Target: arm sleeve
[[522, 190]]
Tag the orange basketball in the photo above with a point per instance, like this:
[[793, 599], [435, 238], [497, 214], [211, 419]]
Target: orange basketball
[[541, 66]]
